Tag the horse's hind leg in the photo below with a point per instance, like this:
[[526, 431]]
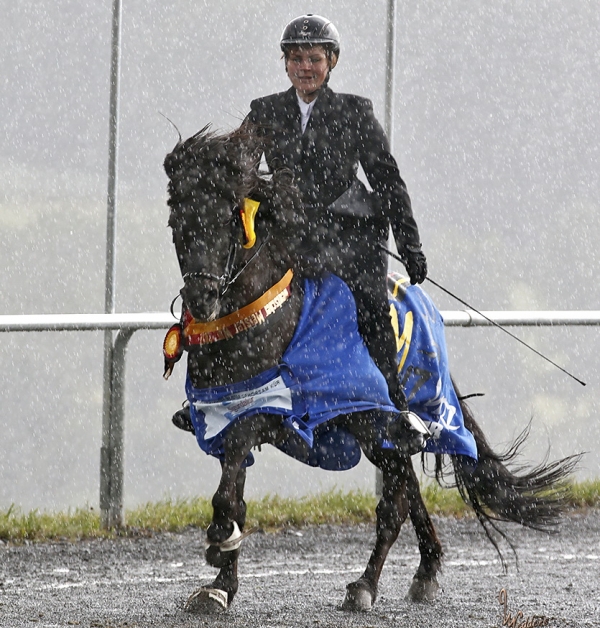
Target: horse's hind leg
[[392, 511], [424, 586]]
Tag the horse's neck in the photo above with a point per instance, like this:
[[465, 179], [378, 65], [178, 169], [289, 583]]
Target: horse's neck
[[257, 277], [255, 350]]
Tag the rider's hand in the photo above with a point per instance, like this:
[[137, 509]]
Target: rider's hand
[[416, 263]]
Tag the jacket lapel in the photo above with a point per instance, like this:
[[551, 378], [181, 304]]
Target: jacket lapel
[[292, 109]]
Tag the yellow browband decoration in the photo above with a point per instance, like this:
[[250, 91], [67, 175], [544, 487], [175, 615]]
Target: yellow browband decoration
[[248, 214], [249, 316]]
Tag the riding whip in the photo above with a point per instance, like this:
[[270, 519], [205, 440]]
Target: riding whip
[[494, 323]]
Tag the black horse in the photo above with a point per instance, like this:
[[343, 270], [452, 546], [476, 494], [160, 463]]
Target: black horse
[[241, 304]]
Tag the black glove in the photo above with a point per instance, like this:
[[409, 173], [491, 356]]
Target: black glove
[[416, 264]]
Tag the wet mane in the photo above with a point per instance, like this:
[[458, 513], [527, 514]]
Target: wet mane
[[226, 165]]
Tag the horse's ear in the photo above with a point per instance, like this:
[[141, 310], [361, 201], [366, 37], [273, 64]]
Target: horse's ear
[[185, 149], [171, 163]]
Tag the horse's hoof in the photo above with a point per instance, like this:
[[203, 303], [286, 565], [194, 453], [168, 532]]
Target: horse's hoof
[[358, 597], [207, 601], [423, 590]]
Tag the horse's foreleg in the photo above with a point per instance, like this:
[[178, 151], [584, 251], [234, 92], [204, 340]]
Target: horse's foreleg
[[224, 534], [229, 518], [424, 587], [229, 513], [217, 596], [392, 511]]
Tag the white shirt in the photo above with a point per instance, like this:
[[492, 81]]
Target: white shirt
[[305, 111]]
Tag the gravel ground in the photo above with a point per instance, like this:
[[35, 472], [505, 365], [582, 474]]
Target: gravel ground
[[298, 578]]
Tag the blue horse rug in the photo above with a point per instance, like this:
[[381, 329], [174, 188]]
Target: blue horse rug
[[326, 371]]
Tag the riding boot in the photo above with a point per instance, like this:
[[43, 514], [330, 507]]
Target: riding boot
[[407, 432], [183, 420]]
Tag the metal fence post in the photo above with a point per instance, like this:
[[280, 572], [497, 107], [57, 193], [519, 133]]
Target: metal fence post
[[111, 453], [390, 67], [111, 226], [390, 70]]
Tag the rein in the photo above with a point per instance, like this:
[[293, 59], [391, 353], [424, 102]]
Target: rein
[[188, 332], [248, 262]]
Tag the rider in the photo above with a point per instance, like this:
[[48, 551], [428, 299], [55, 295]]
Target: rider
[[322, 137]]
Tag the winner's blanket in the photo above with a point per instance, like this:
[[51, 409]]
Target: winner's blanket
[[424, 371], [326, 371]]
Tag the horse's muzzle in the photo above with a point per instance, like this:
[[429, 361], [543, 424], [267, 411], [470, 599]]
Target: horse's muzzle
[[202, 299]]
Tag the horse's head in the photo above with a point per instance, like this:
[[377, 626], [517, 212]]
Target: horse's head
[[210, 176]]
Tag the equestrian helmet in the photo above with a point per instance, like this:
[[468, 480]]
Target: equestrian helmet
[[310, 29]]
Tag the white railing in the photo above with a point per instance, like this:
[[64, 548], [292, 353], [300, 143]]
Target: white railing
[[111, 453]]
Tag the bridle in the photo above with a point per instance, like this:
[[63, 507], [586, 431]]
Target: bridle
[[188, 331], [229, 275], [227, 279]]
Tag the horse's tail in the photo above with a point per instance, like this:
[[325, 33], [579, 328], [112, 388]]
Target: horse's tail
[[532, 497]]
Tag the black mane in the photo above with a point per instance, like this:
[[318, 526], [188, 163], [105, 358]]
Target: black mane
[[226, 165]]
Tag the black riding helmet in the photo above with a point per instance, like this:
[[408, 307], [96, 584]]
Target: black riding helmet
[[310, 29]]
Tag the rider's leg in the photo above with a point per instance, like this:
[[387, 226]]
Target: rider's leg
[[183, 420], [367, 282]]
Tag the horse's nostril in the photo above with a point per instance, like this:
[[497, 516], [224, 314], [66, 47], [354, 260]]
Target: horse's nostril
[[201, 300]]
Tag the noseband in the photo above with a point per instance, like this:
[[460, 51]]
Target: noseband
[[225, 280]]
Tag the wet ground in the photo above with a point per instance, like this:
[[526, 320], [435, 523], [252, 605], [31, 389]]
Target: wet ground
[[298, 578]]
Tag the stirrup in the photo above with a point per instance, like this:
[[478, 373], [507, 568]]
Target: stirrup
[[417, 423], [183, 420], [409, 434]]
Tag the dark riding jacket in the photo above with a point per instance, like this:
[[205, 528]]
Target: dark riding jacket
[[342, 132]]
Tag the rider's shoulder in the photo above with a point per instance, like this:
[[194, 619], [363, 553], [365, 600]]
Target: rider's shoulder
[[271, 101], [352, 99]]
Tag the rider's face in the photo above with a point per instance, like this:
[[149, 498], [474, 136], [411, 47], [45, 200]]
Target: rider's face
[[307, 67]]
